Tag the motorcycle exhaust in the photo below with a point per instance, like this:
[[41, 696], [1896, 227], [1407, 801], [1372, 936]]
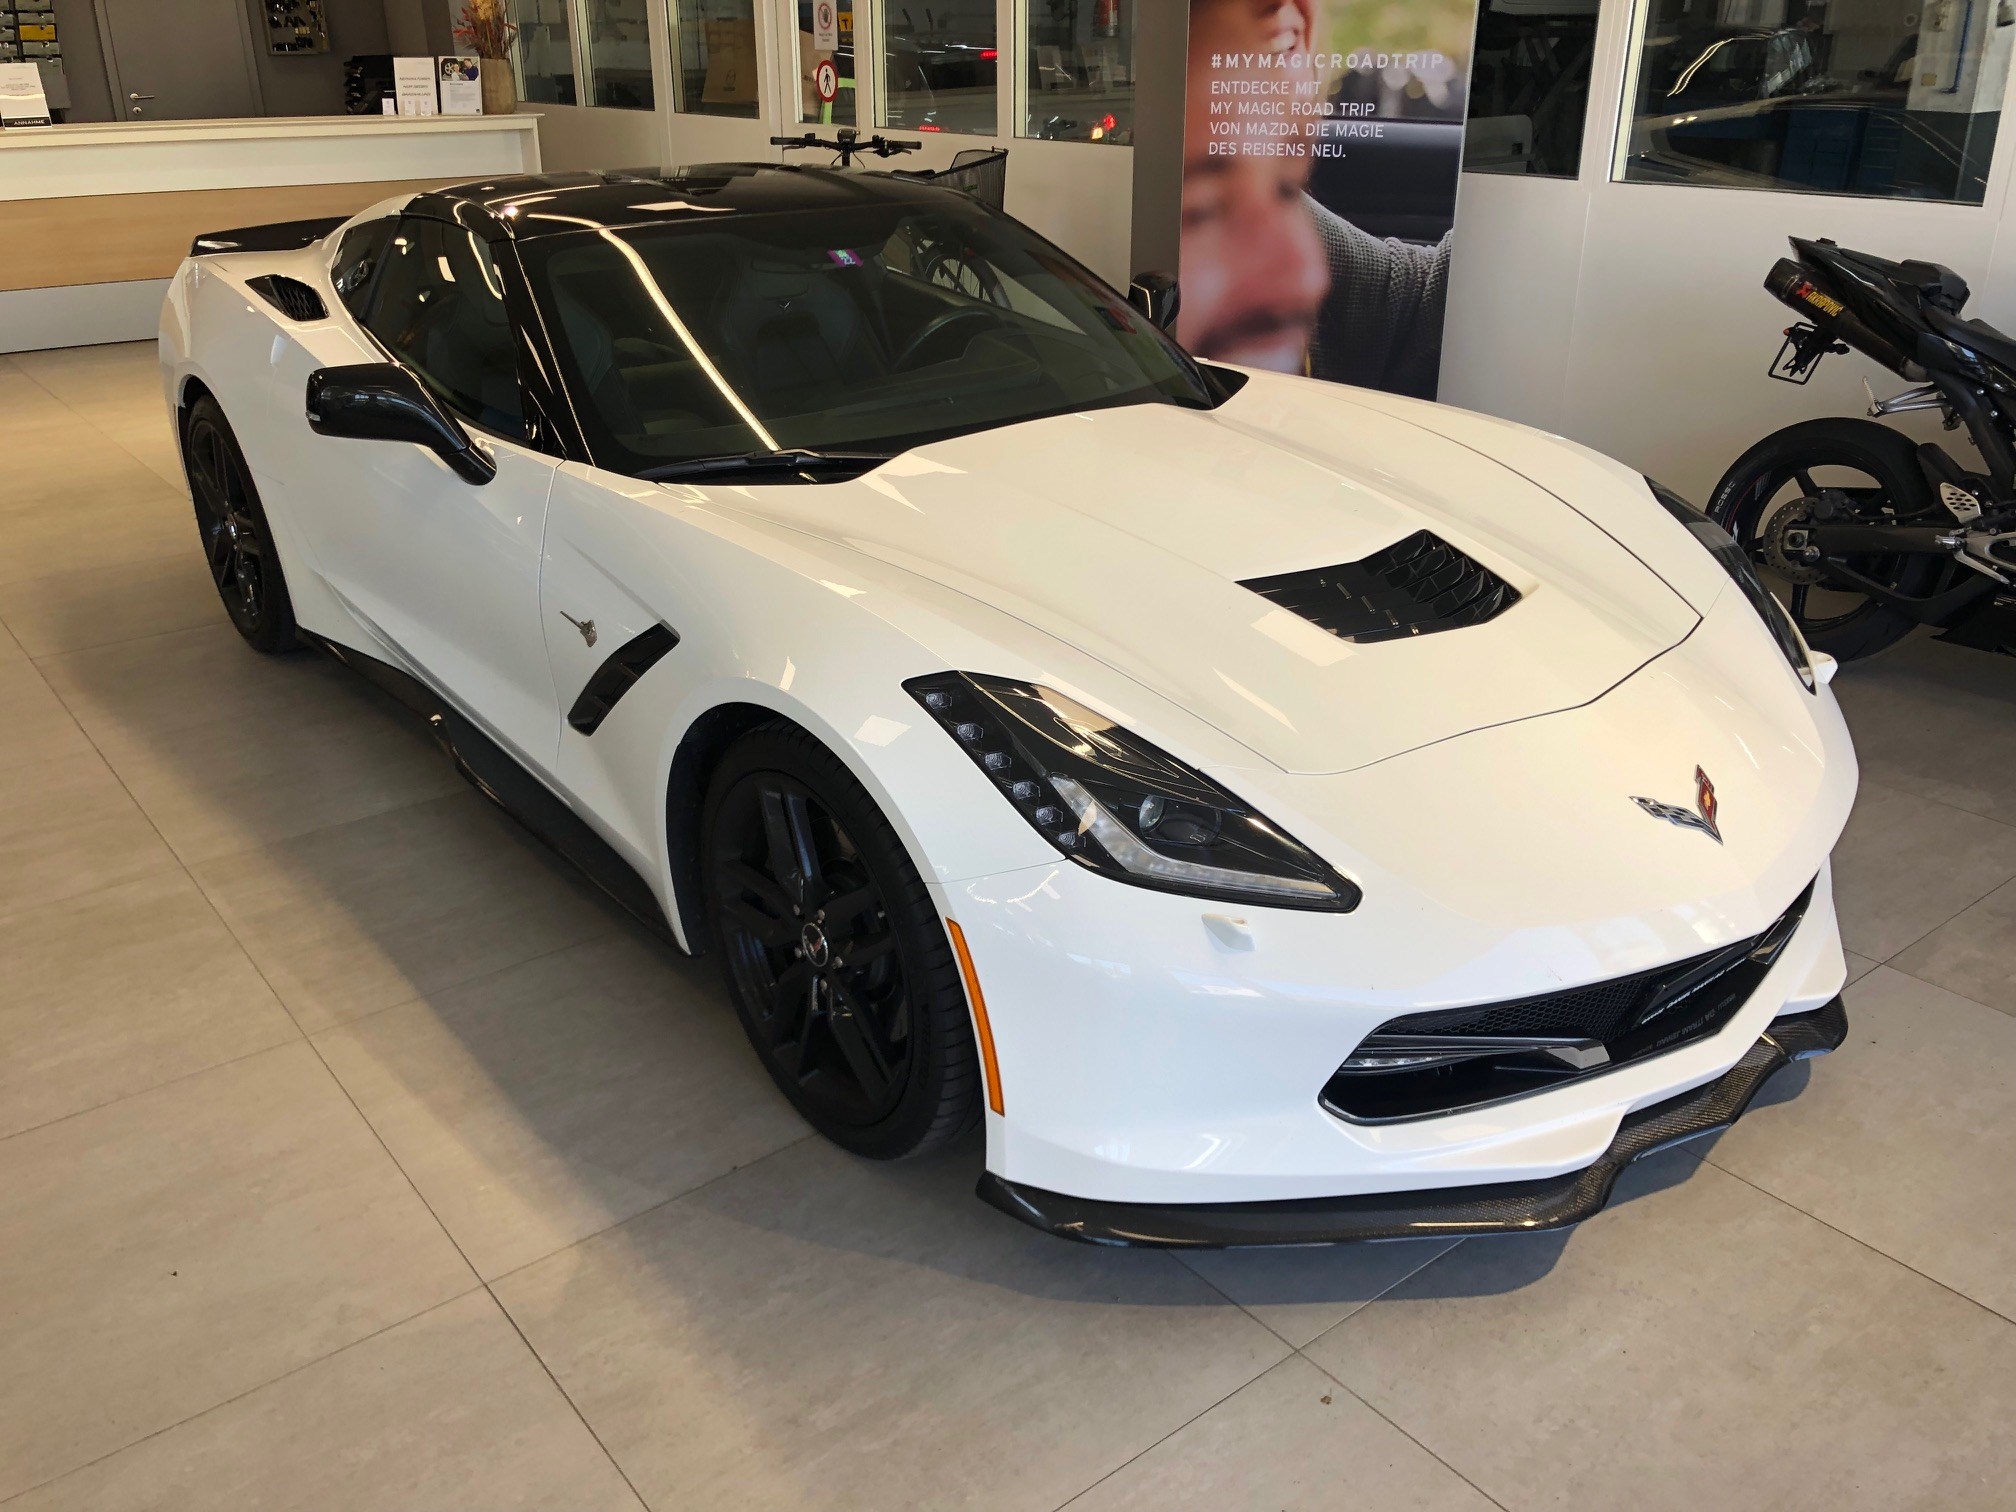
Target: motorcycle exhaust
[[1791, 283]]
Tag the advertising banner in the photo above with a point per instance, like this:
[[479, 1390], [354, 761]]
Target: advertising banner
[[1322, 143]]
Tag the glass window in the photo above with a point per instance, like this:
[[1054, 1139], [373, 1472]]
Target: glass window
[[837, 31], [714, 70], [938, 66], [439, 308], [870, 327], [357, 257], [1079, 62], [1529, 87], [1895, 100], [544, 51], [618, 39]]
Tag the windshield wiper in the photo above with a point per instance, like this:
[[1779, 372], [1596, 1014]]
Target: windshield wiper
[[789, 460]]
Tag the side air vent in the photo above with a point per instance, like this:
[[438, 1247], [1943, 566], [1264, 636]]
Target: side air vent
[[1413, 587], [618, 675], [289, 296]]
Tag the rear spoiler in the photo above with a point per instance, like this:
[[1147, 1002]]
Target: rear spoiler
[[280, 236]]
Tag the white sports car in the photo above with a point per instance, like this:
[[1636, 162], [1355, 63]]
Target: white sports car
[[1280, 813]]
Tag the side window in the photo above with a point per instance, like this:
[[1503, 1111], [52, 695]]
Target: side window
[[439, 308], [357, 258]]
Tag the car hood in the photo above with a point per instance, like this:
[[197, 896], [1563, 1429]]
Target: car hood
[[1126, 533]]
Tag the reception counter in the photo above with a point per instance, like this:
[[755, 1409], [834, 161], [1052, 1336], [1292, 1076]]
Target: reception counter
[[94, 218]]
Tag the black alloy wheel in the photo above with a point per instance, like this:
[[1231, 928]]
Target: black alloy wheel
[[1840, 468], [236, 541], [837, 962]]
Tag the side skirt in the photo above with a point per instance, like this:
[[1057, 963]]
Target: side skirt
[[497, 775]]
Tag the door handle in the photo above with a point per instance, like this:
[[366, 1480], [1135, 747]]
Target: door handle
[[139, 97]]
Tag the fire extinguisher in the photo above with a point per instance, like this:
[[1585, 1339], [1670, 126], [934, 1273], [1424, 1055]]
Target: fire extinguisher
[[1105, 18]]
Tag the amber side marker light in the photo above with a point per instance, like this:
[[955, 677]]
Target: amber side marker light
[[979, 1001]]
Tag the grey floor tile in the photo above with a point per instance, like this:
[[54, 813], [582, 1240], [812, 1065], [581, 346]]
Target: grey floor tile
[[1913, 708], [1906, 865], [34, 725], [75, 465], [173, 1250], [1974, 953], [227, 786], [1858, 966], [1300, 1293], [448, 1410], [540, 1105], [132, 690], [112, 993], [10, 648], [1702, 1345], [68, 827], [1292, 1439], [1905, 1137], [360, 916], [42, 538], [75, 611], [820, 1331]]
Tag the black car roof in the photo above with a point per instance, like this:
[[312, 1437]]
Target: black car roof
[[549, 204]]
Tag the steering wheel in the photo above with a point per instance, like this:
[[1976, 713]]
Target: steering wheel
[[936, 326]]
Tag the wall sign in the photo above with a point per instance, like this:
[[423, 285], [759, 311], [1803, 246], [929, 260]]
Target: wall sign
[[826, 81], [825, 25], [1322, 144]]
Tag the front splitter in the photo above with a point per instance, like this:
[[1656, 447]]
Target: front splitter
[[1510, 1207]]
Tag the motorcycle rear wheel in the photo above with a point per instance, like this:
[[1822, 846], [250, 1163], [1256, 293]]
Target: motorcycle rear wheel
[[1885, 483]]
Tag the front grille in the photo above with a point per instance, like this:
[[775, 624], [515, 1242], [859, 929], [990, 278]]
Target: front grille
[[1414, 587], [1594, 1029], [291, 297]]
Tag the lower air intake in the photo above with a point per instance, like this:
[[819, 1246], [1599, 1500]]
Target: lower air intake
[[1423, 1064]]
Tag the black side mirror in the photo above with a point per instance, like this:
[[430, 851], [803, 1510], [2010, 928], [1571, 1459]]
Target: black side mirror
[[1156, 296], [381, 401]]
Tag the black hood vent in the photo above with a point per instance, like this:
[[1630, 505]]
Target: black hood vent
[[291, 297], [1413, 587]]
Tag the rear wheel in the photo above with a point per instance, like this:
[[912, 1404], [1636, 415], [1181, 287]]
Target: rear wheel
[[836, 959], [1872, 473], [236, 539]]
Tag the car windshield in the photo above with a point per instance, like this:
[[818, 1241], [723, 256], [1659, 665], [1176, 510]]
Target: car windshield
[[864, 329]]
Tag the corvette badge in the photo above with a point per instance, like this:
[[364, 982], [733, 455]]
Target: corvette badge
[[1701, 817]]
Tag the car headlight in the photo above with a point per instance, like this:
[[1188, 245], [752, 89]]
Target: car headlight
[[1116, 804], [1736, 562]]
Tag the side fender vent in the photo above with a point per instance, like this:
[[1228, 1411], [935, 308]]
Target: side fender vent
[[1414, 587], [618, 675], [289, 296]]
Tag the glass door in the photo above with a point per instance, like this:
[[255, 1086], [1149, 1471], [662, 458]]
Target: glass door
[[821, 64]]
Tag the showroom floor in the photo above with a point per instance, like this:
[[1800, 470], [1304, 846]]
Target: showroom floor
[[353, 1153]]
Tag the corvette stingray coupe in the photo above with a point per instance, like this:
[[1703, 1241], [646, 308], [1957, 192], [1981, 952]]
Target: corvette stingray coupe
[[1279, 813]]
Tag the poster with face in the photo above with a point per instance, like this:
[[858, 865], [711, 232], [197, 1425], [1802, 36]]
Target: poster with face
[[1322, 144]]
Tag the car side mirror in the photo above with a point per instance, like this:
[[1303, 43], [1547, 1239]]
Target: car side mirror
[[381, 401], [1156, 296]]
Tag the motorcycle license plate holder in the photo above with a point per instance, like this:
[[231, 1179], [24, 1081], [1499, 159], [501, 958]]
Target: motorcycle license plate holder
[[1799, 354]]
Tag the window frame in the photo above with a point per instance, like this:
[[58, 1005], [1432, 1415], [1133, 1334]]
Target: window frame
[[1022, 89], [532, 414]]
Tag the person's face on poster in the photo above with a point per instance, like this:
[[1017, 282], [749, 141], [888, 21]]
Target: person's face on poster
[[1253, 269]]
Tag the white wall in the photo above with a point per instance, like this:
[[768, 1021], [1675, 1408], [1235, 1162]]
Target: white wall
[[1632, 317]]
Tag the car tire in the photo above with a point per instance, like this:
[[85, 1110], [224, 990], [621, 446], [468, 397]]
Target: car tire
[[1887, 457], [839, 966], [237, 541]]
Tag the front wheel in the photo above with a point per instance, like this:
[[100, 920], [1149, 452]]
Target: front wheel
[[237, 541], [1867, 469], [837, 961]]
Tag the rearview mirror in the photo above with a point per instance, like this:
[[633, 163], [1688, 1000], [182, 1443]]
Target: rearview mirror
[[381, 401], [1156, 296]]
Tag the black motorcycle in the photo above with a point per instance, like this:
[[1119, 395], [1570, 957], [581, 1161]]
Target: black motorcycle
[[1865, 533]]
